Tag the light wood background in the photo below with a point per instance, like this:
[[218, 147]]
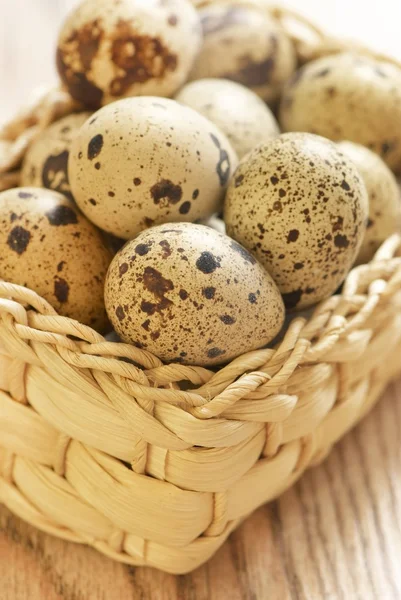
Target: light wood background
[[336, 535]]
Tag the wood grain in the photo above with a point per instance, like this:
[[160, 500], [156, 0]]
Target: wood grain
[[335, 535]]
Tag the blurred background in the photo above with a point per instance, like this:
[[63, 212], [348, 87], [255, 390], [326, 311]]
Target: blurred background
[[29, 28]]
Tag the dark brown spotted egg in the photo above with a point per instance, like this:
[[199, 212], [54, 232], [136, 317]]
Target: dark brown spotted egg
[[46, 162], [192, 295], [110, 49], [244, 44], [47, 245], [237, 111], [144, 161], [384, 198], [347, 97], [301, 207]]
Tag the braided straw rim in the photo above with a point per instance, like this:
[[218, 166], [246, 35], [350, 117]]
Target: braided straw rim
[[155, 464]]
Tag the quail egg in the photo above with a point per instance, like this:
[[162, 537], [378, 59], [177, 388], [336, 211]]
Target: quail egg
[[144, 161], [238, 112], [46, 162], [300, 206], [49, 247], [192, 295], [384, 198], [347, 97], [110, 50], [244, 44]]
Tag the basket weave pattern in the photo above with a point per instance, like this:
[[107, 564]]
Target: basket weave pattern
[[152, 464], [100, 445]]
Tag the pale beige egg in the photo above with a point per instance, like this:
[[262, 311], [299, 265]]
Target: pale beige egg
[[192, 295], [47, 245], [244, 44], [237, 111], [347, 97], [384, 198], [112, 49], [144, 161], [46, 162], [301, 207]]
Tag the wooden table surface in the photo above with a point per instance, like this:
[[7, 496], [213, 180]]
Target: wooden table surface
[[335, 535]]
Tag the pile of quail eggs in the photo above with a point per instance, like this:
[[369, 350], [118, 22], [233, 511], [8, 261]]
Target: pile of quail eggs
[[118, 220]]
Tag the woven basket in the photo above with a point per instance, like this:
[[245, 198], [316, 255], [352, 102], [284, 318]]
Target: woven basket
[[152, 464]]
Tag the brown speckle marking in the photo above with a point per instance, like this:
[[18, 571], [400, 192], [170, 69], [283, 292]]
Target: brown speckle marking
[[60, 266], [95, 146], [166, 190], [166, 248], [139, 58], [55, 173], [207, 263], [195, 194], [61, 290], [341, 241], [137, 181], [24, 195], [123, 269], [183, 294], [142, 249], [209, 292], [18, 239], [93, 201], [227, 319], [62, 215], [156, 284], [185, 208], [292, 236], [120, 314], [146, 324], [252, 298], [215, 352]]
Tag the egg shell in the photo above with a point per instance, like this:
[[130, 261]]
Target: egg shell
[[384, 198], [244, 44], [47, 245], [347, 97], [145, 161], [300, 206], [237, 111], [46, 162], [112, 49], [191, 295]]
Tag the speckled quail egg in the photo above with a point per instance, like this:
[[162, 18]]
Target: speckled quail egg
[[110, 49], [244, 44], [384, 198], [46, 162], [144, 161], [238, 112], [192, 295], [347, 97], [49, 247], [300, 206]]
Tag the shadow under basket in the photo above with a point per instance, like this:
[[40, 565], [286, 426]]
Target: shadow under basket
[[152, 464], [101, 445]]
